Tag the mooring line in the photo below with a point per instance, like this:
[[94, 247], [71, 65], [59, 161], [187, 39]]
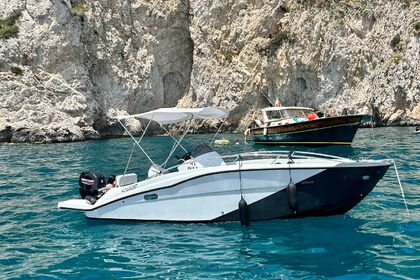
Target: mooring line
[[402, 190]]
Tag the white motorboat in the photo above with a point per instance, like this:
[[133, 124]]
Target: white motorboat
[[207, 187]]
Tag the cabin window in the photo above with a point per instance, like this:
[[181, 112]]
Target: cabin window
[[273, 115], [293, 113]]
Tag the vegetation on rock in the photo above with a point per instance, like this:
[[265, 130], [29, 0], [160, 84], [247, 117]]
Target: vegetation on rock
[[276, 41], [228, 56], [78, 8], [8, 27], [417, 28], [397, 57], [16, 70], [396, 43]]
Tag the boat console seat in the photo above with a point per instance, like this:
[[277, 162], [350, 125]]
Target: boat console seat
[[156, 170], [127, 179]]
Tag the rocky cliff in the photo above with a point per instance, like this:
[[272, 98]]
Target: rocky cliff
[[68, 67]]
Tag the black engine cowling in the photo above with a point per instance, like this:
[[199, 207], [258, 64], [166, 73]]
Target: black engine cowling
[[90, 182]]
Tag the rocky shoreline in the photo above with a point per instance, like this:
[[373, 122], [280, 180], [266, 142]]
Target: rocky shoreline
[[68, 67]]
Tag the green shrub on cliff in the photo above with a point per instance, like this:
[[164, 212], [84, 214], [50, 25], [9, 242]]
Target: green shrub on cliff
[[16, 70], [396, 43], [78, 8], [417, 28], [397, 58], [8, 27], [276, 41], [280, 38], [228, 56]]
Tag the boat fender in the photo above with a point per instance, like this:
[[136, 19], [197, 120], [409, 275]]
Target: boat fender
[[292, 196], [243, 212]]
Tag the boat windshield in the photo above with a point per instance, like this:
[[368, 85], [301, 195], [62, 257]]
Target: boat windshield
[[274, 115], [296, 113], [287, 113]]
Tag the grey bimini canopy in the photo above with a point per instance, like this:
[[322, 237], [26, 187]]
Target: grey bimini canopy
[[174, 115]]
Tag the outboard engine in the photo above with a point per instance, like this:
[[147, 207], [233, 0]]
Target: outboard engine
[[90, 182]]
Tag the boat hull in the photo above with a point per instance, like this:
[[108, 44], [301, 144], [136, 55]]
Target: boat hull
[[214, 197], [325, 131]]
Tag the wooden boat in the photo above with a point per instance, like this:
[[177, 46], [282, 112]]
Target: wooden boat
[[302, 126]]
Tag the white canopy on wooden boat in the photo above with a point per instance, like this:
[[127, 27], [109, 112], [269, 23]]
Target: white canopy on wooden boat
[[175, 115]]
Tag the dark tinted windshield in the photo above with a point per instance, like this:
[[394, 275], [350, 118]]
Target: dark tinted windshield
[[273, 115], [293, 113]]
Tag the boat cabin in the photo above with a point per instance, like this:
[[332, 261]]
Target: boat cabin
[[273, 116]]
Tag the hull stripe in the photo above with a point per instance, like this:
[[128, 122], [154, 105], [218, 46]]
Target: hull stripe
[[301, 143]]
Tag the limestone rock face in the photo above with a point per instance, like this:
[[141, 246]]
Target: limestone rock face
[[74, 65], [358, 56], [83, 61]]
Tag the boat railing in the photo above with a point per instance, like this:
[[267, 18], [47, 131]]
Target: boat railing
[[275, 155], [281, 155]]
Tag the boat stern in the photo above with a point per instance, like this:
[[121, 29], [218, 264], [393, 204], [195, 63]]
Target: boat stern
[[75, 204]]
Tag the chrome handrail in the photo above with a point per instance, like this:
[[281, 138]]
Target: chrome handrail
[[300, 155], [262, 154]]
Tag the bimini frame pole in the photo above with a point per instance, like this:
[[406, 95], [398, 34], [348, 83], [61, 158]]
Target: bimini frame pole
[[217, 132], [135, 141], [134, 144], [178, 143]]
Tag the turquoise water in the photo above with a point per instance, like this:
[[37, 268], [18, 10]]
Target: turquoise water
[[376, 240]]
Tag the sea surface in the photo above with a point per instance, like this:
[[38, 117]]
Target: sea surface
[[375, 240]]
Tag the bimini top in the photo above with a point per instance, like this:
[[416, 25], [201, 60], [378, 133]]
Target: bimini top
[[174, 115]]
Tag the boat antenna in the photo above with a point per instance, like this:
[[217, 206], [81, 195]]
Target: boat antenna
[[217, 132], [372, 124], [402, 190], [271, 103]]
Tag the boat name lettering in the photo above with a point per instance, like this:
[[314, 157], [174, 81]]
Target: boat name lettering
[[129, 188]]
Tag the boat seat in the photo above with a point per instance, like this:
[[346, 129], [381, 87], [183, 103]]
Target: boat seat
[[127, 179], [156, 170]]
